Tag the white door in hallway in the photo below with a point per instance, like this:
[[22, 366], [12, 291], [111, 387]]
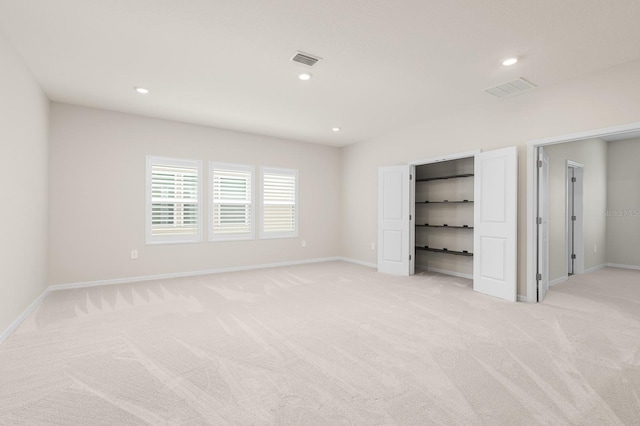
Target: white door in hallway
[[495, 221], [393, 219], [543, 224]]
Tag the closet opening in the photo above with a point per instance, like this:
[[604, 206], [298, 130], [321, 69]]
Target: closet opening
[[444, 217], [455, 215]]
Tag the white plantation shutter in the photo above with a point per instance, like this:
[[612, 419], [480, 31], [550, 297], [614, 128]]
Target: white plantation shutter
[[232, 208], [279, 203], [173, 200]]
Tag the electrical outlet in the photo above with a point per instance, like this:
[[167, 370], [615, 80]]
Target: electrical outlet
[[134, 254], [303, 243], [373, 246]]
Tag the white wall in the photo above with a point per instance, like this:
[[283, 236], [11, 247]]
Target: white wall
[[24, 175], [97, 205], [623, 203], [592, 154], [604, 99]]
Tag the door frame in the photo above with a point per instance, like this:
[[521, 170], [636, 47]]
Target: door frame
[[578, 199], [542, 243], [532, 191]]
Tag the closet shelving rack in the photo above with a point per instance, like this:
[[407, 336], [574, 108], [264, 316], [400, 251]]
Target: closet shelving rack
[[445, 226], [464, 175], [445, 201], [445, 250]]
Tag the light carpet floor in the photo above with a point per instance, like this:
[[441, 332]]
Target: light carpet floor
[[326, 344]]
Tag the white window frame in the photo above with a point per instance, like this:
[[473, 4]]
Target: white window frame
[[213, 236], [290, 172], [171, 239]]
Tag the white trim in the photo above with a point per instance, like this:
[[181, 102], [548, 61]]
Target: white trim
[[532, 214], [578, 198], [587, 271], [520, 298], [618, 265], [412, 219], [23, 316], [589, 134], [532, 187], [32, 307], [187, 274], [449, 157], [558, 280], [359, 262], [596, 268]]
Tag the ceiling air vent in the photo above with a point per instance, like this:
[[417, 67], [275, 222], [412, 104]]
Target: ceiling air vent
[[305, 59], [509, 88]]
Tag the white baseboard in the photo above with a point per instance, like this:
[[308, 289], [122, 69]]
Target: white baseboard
[[446, 272], [558, 281], [467, 276], [16, 323], [186, 274], [359, 262], [524, 299], [520, 298], [618, 265], [595, 268]]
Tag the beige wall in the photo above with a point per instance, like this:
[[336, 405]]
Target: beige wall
[[592, 154], [623, 203], [23, 216], [97, 207], [608, 98], [97, 179]]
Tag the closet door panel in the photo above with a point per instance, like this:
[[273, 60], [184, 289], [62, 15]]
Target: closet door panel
[[495, 233], [394, 205]]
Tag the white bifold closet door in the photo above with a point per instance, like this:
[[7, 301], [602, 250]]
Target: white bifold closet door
[[394, 209], [495, 223]]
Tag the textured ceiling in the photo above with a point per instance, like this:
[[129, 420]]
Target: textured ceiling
[[386, 64]]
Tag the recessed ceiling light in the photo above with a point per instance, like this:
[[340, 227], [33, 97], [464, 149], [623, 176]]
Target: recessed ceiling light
[[142, 90], [304, 76], [335, 129], [510, 61]]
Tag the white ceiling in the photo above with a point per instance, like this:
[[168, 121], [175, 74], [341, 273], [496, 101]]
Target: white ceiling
[[386, 63]]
